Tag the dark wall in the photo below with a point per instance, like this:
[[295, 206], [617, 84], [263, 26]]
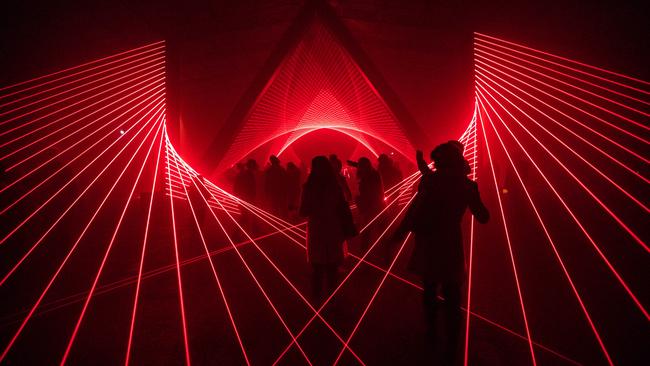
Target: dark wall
[[423, 49]]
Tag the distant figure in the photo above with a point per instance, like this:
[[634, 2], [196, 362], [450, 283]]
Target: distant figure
[[388, 170], [329, 224], [275, 187], [337, 165], [245, 188], [370, 200], [230, 174], [293, 188], [435, 219]]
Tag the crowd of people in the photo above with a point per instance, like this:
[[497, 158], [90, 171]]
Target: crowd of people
[[277, 188], [434, 218]]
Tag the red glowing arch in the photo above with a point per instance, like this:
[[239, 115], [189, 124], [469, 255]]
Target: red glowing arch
[[317, 83], [297, 134]]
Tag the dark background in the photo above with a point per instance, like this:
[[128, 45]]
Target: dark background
[[422, 49]]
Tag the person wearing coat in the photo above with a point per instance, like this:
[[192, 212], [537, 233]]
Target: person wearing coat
[[337, 165], [435, 218], [329, 223], [275, 187], [370, 200]]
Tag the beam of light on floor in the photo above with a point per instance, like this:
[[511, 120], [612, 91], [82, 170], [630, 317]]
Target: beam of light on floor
[[70, 252], [548, 235], [510, 250], [571, 213]]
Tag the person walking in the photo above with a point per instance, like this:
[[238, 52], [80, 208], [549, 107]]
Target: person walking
[[275, 188], [329, 224], [370, 200]]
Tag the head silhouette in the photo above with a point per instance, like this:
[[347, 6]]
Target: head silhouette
[[337, 165], [364, 163], [251, 164], [383, 159], [448, 157], [458, 145], [274, 160], [364, 168], [322, 173]]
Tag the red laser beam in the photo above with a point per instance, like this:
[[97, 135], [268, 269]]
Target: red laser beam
[[613, 125], [80, 140], [214, 271], [68, 106], [144, 247], [268, 299], [551, 241], [52, 196], [482, 49], [108, 248], [71, 69], [286, 279], [178, 270], [150, 82], [288, 96], [576, 179], [594, 168], [573, 61], [140, 63], [259, 213], [512, 257], [618, 162], [30, 96], [471, 247], [104, 289], [344, 281], [372, 299], [38, 242], [65, 260], [569, 211], [484, 43], [317, 84]]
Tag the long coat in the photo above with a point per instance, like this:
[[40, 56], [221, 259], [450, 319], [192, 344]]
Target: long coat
[[435, 219], [324, 209], [371, 194]]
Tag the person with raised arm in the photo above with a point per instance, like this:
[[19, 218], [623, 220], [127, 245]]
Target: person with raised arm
[[434, 217]]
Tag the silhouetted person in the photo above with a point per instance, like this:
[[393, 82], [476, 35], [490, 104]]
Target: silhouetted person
[[337, 165], [388, 170], [230, 174], [245, 188], [370, 200], [424, 167], [275, 187], [435, 219], [329, 223], [293, 188]]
